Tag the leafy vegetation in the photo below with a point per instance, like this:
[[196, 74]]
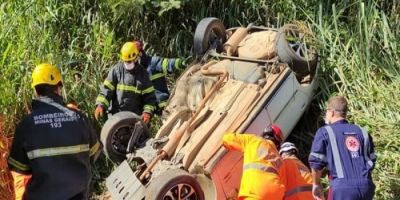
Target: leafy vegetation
[[358, 42]]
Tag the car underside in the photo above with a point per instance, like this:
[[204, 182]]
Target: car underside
[[245, 79]]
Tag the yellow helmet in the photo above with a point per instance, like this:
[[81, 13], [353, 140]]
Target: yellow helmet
[[46, 74], [129, 52]]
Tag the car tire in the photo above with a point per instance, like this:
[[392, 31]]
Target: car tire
[[301, 59], [208, 31], [116, 133], [173, 182]]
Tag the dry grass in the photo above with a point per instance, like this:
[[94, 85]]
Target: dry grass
[[6, 182]]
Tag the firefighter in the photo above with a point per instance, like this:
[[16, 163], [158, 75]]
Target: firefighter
[[262, 171], [298, 181], [54, 144], [347, 150], [158, 68], [127, 87]]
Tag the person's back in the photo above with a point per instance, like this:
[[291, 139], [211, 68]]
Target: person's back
[[261, 167], [347, 151], [57, 146], [354, 170], [298, 182], [351, 145], [53, 144]]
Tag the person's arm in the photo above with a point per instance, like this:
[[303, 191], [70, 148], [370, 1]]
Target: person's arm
[[317, 190], [372, 150], [18, 163], [235, 141], [317, 158], [165, 65], [316, 176], [148, 94], [18, 160], [318, 161], [95, 146], [107, 89]]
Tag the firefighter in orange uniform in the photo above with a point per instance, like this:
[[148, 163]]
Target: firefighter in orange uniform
[[298, 181], [261, 179]]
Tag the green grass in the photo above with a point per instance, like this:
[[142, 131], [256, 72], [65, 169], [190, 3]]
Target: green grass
[[358, 42]]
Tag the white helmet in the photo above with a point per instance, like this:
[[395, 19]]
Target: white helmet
[[287, 146]]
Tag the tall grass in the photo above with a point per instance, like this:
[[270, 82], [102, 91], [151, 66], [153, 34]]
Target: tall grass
[[360, 59], [358, 42]]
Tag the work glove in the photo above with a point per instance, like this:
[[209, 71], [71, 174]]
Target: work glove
[[317, 192], [146, 117], [99, 112]]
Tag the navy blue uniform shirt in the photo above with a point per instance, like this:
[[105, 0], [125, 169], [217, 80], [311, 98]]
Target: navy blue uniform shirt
[[355, 151]]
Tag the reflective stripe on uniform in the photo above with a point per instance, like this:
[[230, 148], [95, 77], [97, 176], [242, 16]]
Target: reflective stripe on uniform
[[259, 166], [162, 104], [18, 164], [109, 85], [366, 147], [263, 153], [156, 76], [56, 151], [148, 90], [149, 108], [335, 152], [102, 99], [295, 190], [164, 65], [319, 156], [177, 63], [94, 149], [128, 88]]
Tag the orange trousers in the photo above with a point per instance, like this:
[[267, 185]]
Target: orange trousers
[[20, 182]]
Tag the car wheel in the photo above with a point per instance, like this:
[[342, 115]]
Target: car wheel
[[174, 184], [293, 49], [117, 132], [209, 32]]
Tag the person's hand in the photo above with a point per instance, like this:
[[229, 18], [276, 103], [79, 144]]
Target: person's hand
[[139, 45], [99, 112], [317, 192], [146, 117], [73, 106]]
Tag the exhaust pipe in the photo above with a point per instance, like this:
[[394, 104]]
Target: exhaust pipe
[[231, 45]]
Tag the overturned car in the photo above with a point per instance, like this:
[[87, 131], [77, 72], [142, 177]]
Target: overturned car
[[246, 79]]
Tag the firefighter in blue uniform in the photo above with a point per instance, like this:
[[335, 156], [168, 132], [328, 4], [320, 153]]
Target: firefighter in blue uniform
[[347, 150], [158, 68], [127, 87], [54, 144]]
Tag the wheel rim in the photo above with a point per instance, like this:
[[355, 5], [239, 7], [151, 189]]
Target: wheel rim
[[120, 139], [181, 191], [297, 42]]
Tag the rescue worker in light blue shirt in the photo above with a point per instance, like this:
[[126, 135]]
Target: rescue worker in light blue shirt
[[347, 150]]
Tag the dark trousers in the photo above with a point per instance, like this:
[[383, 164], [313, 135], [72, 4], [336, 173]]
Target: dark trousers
[[345, 189]]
